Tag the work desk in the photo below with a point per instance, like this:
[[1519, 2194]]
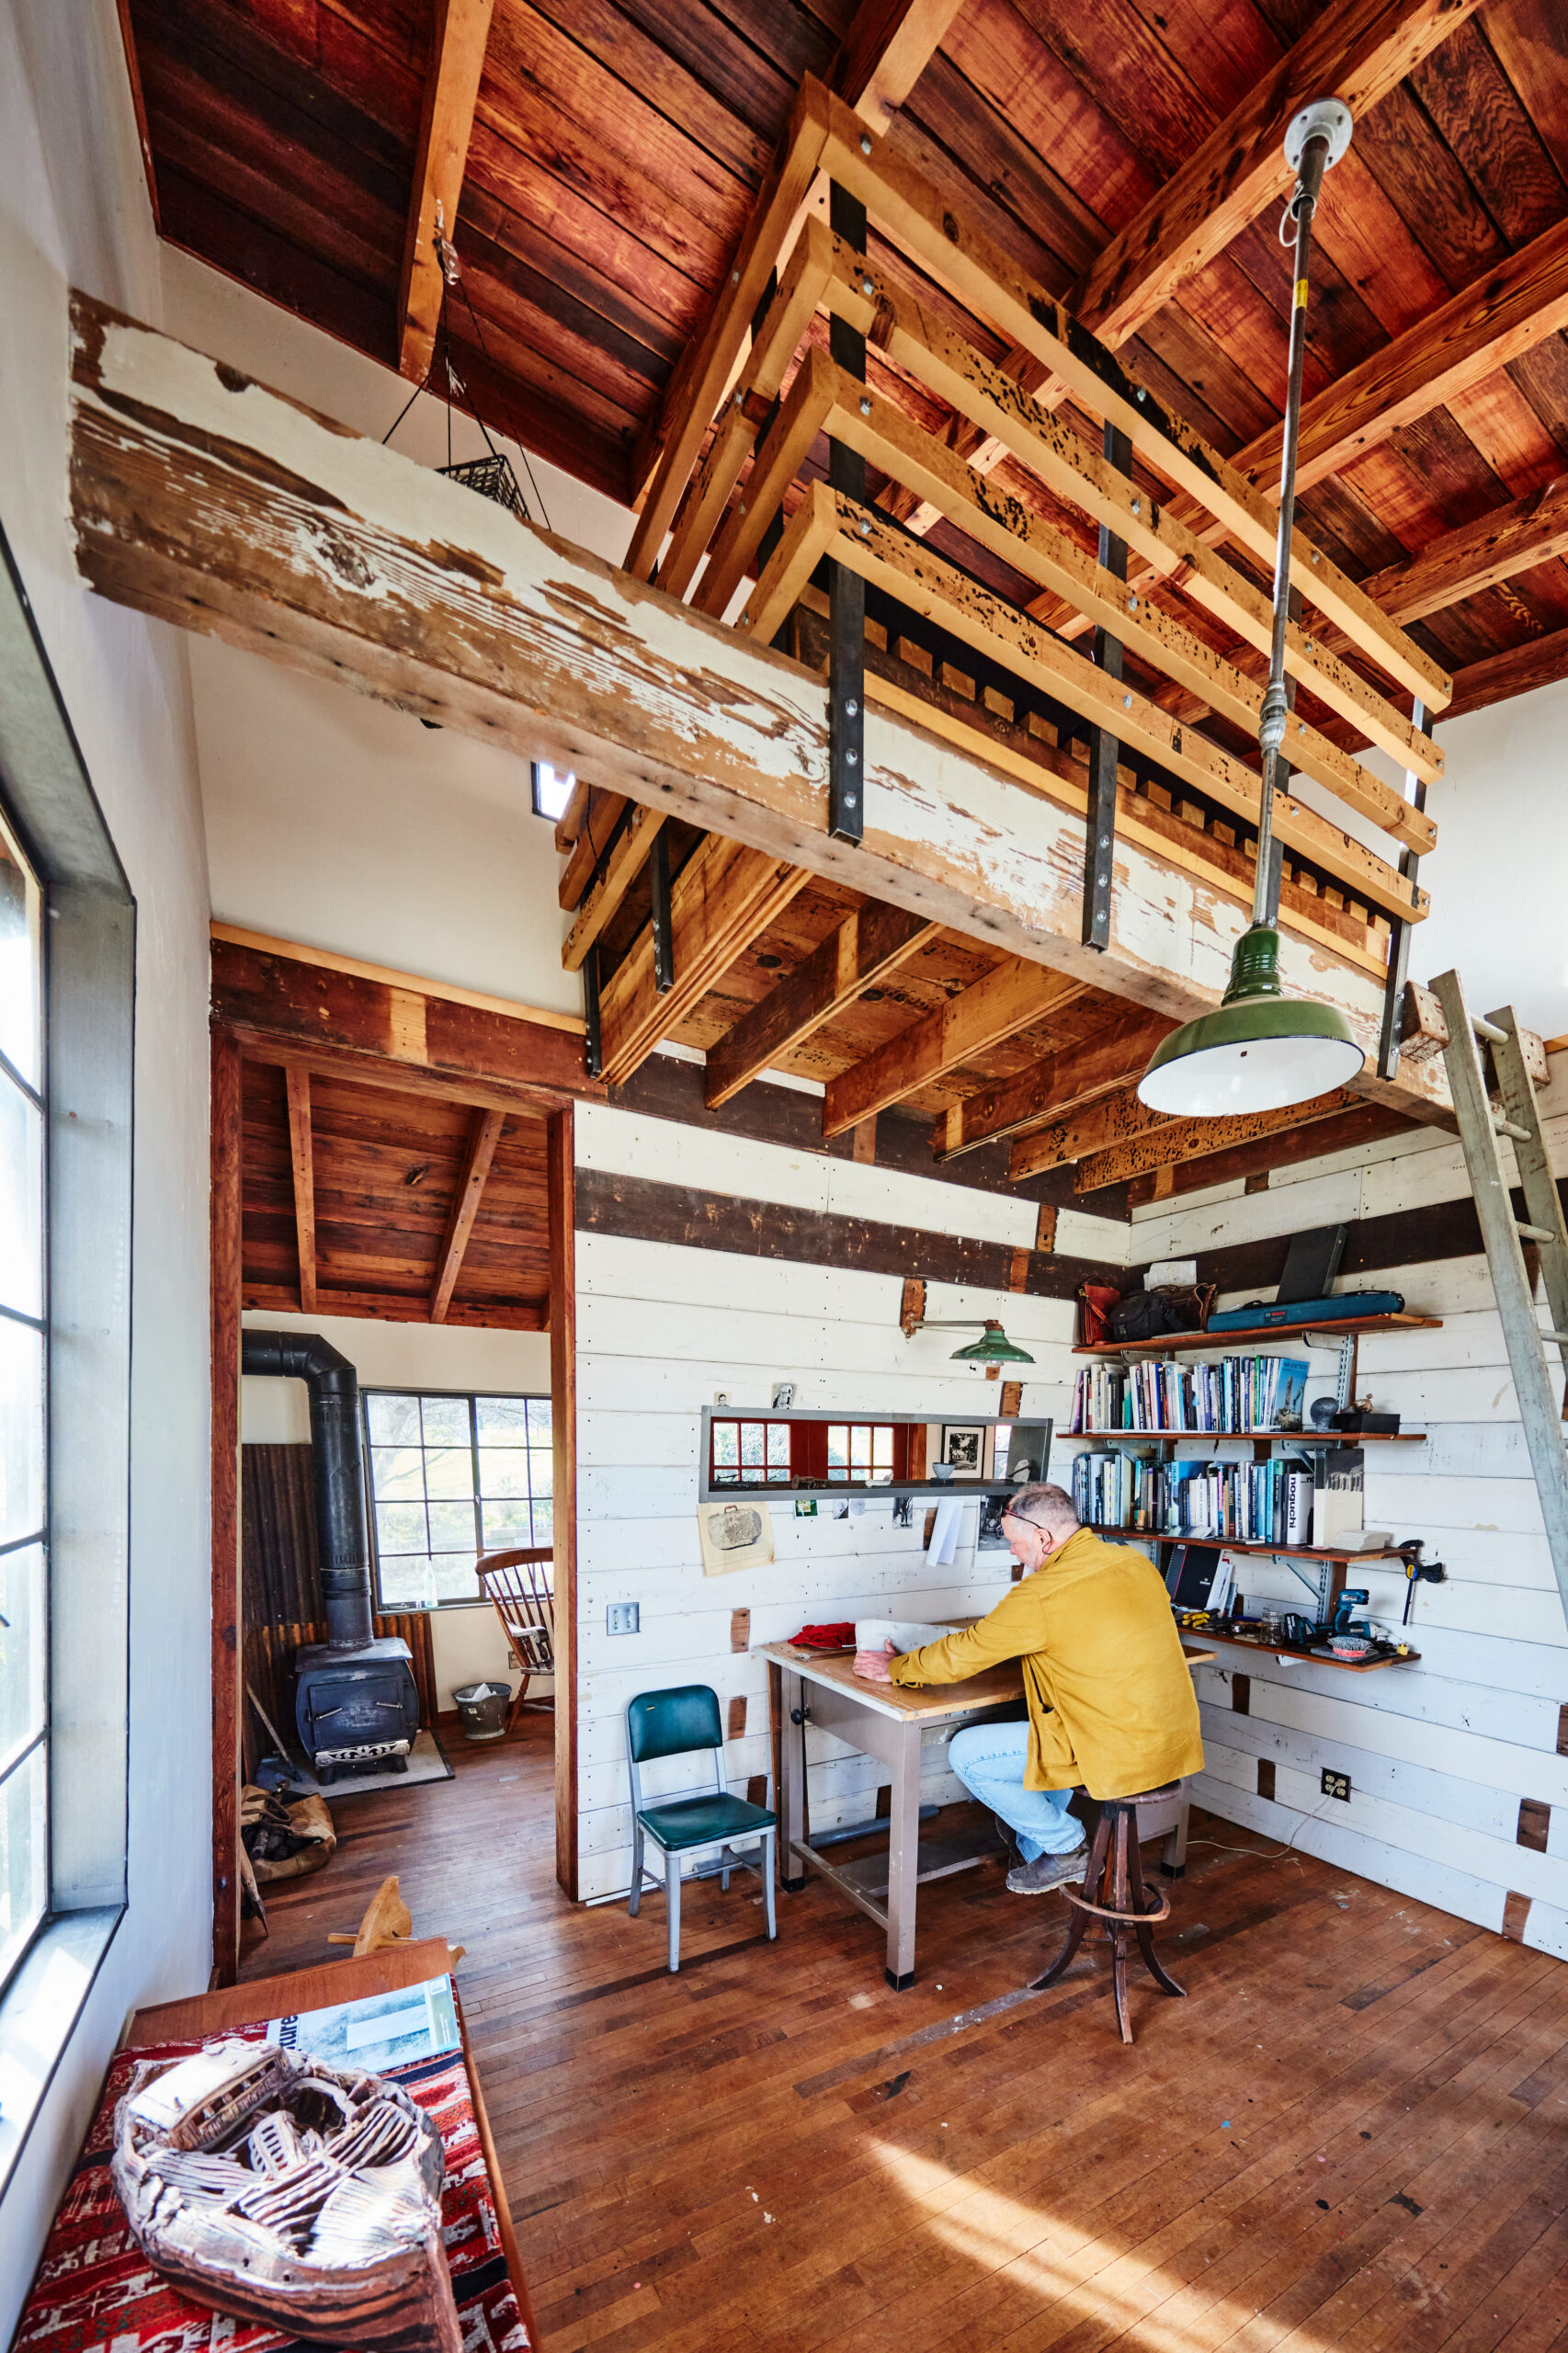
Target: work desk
[[886, 1721]]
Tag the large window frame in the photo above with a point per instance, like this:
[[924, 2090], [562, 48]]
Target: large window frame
[[85, 1096], [536, 1447]]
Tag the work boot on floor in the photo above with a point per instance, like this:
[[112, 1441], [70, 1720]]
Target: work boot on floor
[[1048, 1871]]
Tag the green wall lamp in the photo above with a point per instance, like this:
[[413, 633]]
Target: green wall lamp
[[1263, 1049], [993, 1347]]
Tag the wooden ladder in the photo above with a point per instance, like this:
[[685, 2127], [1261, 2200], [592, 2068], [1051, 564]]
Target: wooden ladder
[[1502, 1236]]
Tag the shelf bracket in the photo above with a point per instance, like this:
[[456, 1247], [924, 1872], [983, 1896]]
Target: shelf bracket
[[1345, 1379]]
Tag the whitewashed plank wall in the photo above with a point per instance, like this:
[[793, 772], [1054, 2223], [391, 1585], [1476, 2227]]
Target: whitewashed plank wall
[[660, 1329], [1441, 1754]]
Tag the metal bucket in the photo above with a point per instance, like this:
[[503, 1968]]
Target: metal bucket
[[482, 1707]]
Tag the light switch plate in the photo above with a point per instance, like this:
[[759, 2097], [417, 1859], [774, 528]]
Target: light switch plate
[[623, 1617]]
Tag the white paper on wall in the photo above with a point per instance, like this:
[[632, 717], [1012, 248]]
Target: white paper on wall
[[944, 1535]]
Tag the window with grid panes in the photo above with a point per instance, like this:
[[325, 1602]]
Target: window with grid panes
[[860, 1450], [452, 1478], [23, 1757]]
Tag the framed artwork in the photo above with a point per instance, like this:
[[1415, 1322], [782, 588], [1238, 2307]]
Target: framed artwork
[[963, 1449]]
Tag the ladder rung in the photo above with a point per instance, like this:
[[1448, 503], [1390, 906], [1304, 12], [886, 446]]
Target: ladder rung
[[1535, 1233], [1511, 1128], [1487, 1030], [1560, 1336]]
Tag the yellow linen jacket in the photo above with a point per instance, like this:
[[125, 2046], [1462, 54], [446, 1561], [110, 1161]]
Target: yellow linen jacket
[[1109, 1694]]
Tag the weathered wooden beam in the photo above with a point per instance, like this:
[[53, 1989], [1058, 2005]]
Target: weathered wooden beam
[[407, 1307], [1515, 306], [266, 995], [1423, 1034], [930, 586], [301, 1155], [459, 32], [1162, 1145], [621, 869], [723, 898], [206, 500], [1057, 1085], [1359, 50], [1011, 998], [1168, 541], [887, 48], [868, 945], [1540, 661], [1107, 1120], [484, 1135], [600, 815], [780, 457], [1461, 564], [1347, 1131]]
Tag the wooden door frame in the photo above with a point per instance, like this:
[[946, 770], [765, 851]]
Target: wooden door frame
[[512, 1059]]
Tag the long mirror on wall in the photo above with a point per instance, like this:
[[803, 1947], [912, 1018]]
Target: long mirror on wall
[[791, 1454]]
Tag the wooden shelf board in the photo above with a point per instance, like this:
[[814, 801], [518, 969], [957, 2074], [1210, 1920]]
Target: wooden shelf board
[[1237, 1544], [1175, 1343], [1294, 1650], [1297, 1438]]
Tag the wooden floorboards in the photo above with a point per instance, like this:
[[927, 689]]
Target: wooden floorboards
[[1353, 2134]]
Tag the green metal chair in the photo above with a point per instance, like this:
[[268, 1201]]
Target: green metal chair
[[677, 1723]]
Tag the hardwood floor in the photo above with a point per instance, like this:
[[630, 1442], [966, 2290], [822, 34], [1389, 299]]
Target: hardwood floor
[[1354, 2131]]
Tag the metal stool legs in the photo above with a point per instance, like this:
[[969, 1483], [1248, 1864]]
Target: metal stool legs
[[1116, 1873]]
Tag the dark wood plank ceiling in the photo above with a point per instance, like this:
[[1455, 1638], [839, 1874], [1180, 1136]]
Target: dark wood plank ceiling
[[387, 1166], [616, 149]]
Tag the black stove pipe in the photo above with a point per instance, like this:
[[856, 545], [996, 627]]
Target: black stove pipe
[[334, 1387]]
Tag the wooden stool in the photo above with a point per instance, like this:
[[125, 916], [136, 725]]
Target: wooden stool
[[1116, 1873]]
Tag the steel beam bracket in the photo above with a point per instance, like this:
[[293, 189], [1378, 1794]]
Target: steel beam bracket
[[847, 590], [1104, 748], [1399, 931]]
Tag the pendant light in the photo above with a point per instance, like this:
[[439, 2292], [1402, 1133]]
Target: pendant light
[[1263, 1049]]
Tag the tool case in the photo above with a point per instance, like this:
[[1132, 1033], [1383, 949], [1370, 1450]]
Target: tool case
[[1302, 1311]]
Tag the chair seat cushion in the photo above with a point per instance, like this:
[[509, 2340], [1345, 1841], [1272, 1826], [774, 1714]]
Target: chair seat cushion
[[698, 1822]]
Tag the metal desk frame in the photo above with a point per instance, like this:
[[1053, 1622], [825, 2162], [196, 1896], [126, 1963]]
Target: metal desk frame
[[885, 1721]]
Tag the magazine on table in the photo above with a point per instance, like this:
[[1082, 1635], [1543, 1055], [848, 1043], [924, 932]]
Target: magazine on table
[[380, 2033]]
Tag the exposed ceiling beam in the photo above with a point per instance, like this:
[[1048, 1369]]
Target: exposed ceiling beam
[[224, 507], [1461, 564], [484, 1135], [1540, 661], [302, 1154], [723, 897], [1347, 1131], [458, 36], [886, 49], [1057, 1085], [868, 945], [622, 867], [1107, 1120], [1011, 998], [1175, 1139], [1359, 50], [402, 1307], [598, 819], [1515, 306]]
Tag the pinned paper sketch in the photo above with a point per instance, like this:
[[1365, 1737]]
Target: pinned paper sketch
[[944, 1535], [734, 1535]]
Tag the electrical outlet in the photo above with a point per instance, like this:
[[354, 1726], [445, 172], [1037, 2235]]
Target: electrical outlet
[[1336, 1785], [623, 1617]]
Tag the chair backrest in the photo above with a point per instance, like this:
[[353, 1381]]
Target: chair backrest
[[670, 1723], [521, 1585]]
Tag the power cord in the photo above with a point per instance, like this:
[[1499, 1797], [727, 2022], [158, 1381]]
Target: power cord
[[1261, 1854]]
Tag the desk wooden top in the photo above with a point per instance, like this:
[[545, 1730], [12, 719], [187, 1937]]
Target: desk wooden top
[[930, 1701]]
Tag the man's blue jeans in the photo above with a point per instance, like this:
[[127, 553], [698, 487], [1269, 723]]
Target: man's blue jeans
[[989, 1761]]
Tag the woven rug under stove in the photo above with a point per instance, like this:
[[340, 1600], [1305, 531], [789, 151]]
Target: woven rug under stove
[[96, 2289]]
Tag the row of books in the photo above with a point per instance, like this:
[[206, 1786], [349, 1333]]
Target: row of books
[[1259, 1392], [1288, 1501]]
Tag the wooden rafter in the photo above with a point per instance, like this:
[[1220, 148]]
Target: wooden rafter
[[1462, 563], [1345, 1132], [1058, 1084], [1013, 997], [1540, 661], [723, 897], [1512, 308], [484, 1135], [868, 945], [601, 813], [1359, 49], [622, 867], [457, 37], [232, 510], [887, 48], [302, 1155], [1161, 1144]]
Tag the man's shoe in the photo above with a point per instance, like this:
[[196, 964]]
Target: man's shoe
[[1009, 1837], [1048, 1871]]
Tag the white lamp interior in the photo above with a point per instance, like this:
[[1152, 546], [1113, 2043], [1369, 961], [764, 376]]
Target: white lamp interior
[[1263, 1074]]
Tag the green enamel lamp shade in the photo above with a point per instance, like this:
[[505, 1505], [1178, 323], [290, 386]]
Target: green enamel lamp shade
[[993, 1347], [1259, 1053]]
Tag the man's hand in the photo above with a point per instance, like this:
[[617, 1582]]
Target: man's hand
[[872, 1665]]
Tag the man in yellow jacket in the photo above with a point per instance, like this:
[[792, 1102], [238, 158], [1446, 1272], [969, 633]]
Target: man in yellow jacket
[[1108, 1692]]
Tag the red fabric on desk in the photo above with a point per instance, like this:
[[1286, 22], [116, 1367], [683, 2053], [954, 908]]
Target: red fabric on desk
[[97, 2293], [825, 1638]]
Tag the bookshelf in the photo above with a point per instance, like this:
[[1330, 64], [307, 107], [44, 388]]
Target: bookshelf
[[1235, 1544], [1176, 1344], [1307, 1437]]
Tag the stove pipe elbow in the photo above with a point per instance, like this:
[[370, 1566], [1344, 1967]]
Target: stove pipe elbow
[[339, 1476]]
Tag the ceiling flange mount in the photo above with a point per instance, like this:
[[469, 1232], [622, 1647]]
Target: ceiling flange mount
[[1329, 119]]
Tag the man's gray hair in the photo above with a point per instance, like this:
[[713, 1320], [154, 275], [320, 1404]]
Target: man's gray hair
[[1049, 1507]]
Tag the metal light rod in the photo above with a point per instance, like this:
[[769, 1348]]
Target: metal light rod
[[1316, 140]]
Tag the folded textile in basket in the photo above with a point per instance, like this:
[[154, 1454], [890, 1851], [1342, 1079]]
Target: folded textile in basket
[[825, 1638]]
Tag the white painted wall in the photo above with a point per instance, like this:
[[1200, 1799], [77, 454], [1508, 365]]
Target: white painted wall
[[1439, 1754], [467, 1642], [661, 1328], [73, 211]]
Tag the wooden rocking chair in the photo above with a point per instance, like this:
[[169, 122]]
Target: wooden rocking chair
[[521, 1586]]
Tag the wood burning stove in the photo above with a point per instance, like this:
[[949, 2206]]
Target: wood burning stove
[[356, 1703]]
